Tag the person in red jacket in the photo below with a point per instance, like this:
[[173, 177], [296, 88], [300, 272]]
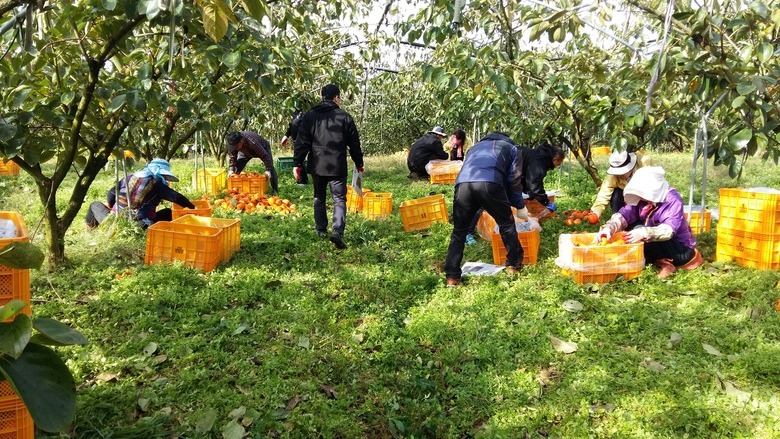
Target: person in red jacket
[[326, 134]]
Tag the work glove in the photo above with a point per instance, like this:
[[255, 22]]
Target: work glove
[[267, 175], [284, 141], [522, 214], [297, 173], [552, 206], [607, 230], [361, 169], [640, 234]]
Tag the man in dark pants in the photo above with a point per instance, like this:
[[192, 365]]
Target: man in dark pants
[[491, 179], [292, 134], [536, 163], [425, 149], [246, 145], [325, 135]]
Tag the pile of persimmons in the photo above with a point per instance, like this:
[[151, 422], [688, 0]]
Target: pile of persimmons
[[246, 202], [574, 217]]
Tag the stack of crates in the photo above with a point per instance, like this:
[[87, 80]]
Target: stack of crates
[[8, 168], [193, 245], [749, 228], [210, 180], [247, 183], [354, 201], [699, 222], [377, 205], [231, 231], [15, 419], [421, 213], [486, 227], [202, 208], [595, 263]]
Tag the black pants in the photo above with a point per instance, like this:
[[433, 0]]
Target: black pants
[[242, 160], [97, 213], [338, 193], [616, 202], [671, 249], [469, 197]]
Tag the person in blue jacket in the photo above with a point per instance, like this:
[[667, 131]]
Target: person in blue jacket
[[491, 179]]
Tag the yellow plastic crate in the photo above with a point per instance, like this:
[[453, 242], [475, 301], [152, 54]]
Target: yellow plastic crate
[[529, 240], [696, 222], [195, 246], [15, 419], [231, 231], [749, 211], [600, 150], [421, 213], [597, 263], [377, 204], [202, 208], [247, 183], [354, 202], [210, 180], [754, 250], [15, 283]]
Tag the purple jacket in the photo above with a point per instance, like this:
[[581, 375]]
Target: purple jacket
[[669, 212]]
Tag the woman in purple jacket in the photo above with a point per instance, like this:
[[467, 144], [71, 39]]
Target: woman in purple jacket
[[653, 214]]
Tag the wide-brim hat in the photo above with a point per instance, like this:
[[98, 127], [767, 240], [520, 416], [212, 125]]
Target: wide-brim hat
[[621, 163], [648, 183], [439, 131], [162, 168]]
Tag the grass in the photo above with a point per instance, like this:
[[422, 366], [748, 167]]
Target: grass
[[291, 338]]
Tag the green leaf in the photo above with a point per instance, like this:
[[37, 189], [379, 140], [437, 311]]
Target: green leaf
[[7, 131], [11, 308], [109, 5], [116, 103], [257, 9], [740, 140], [205, 423], [215, 20], [20, 95], [55, 333], [745, 88], [735, 168], [152, 9], [45, 385], [67, 97], [14, 336], [764, 51], [233, 430], [737, 102], [185, 108], [632, 110], [231, 60], [21, 255]]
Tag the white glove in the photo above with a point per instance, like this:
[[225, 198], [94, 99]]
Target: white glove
[[268, 175], [522, 214], [603, 233], [640, 234]]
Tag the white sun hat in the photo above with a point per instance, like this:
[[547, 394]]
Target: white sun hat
[[648, 183]]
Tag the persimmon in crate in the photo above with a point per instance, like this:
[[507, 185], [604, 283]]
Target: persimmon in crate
[[14, 283], [250, 182], [602, 262], [421, 213], [8, 168], [202, 208]]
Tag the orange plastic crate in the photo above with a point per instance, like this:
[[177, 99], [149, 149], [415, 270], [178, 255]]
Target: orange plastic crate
[[535, 207], [749, 211], [748, 249], [250, 184], [15, 419], [421, 213], [486, 226], [202, 208], [195, 246], [354, 202], [210, 180], [15, 283], [231, 231], [695, 220], [597, 263], [377, 204], [8, 168], [529, 240]]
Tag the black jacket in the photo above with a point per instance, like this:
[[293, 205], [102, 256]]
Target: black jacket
[[425, 149], [536, 163], [325, 134]]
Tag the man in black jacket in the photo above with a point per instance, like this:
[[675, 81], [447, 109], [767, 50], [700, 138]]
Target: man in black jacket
[[325, 134], [536, 163], [425, 149], [292, 134]]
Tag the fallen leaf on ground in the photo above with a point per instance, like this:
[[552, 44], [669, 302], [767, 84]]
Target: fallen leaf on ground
[[566, 347], [711, 350]]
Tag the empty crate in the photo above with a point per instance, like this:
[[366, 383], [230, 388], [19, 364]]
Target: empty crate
[[754, 250], [421, 213], [8, 168], [377, 204], [231, 231], [195, 246], [15, 419], [699, 222], [210, 180], [750, 210], [355, 202], [529, 240]]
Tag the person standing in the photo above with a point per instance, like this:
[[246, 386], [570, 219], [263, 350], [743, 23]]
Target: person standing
[[536, 163], [622, 166], [458, 145], [425, 149], [292, 134], [491, 179], [326, 134], [246, 145]]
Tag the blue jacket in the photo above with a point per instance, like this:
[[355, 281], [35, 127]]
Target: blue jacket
[[495, 159]]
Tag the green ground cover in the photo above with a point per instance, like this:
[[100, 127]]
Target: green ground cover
[[291, 338]]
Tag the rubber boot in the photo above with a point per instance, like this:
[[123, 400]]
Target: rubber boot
[[665, 267], [695, 261]]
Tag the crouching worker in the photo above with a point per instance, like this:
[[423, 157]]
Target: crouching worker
[[653, 214], [148, 187]]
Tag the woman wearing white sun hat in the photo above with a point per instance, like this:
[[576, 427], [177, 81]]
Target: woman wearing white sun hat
[[662, 226], [621, 167]]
